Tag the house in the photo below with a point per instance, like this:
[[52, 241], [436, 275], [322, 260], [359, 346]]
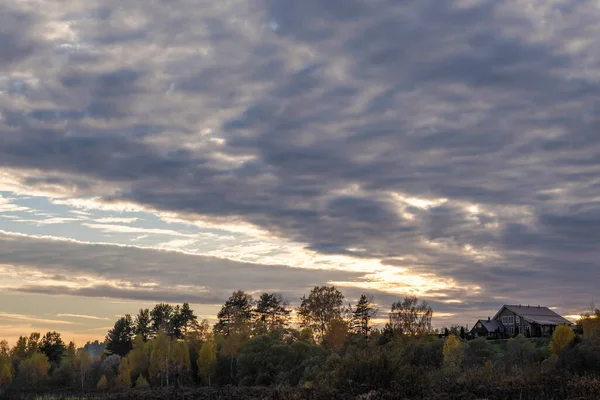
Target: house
[[531, 321], [487, 328]]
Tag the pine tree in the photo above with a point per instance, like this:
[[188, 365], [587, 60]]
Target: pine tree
[[53, 347], [142, 324], [362, 315], [161, 316], [188, 317], [271, 313], [235, 315], [119, 339]]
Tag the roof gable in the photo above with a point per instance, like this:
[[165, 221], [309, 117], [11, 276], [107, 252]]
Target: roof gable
[[535, 314]]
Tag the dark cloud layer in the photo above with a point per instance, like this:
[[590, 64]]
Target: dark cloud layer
[[320, 121], [147, 274]]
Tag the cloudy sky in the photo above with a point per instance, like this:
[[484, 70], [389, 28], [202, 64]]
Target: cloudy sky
[[155, 150]]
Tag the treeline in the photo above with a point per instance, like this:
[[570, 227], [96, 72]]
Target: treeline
[[324, 344]]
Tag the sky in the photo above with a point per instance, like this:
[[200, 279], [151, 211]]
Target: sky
[[175, 151]]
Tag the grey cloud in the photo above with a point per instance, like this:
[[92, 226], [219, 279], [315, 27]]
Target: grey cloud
[[168, 269], [475, 105]]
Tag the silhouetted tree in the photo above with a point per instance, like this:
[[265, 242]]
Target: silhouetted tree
[[188, 318], [362, 315], [53, 347], [271, 313], [235, 315], [411, 318], [321, 306], [142, 324], [119, 339], [161, 316]]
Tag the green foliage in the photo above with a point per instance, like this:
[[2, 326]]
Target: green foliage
[[267, 360], [53, 347], [33, 371], [124, 376], [207, 358], [141, 382], [478, 352], [119, 339], [6, 367]]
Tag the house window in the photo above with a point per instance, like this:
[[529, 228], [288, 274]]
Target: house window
[[511, 330], [518, 319], [510, 319], [505, 319]]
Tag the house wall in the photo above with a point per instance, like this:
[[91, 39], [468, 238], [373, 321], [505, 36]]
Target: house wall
[[523, 326], [518, 324]]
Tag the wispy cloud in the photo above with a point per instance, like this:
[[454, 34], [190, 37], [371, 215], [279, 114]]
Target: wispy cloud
[[111, 228], [82, 316], [116, 220], [31, 318]]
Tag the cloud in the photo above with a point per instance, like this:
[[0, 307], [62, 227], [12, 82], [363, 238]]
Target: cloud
[[31, 318], [82, 316], [321, 123], [117, 220], [126, 272]]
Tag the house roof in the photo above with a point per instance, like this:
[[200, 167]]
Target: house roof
[[491, 325], [536, 314]]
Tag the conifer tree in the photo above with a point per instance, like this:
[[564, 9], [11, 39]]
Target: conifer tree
[[362, 315]]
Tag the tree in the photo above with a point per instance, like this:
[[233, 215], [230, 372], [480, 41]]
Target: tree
[[271, 313], [188, 318], [119, 339], [335, 335], [124, 376], [139, 357], [6, 367], [206, 360], [34, 370], [453, 352], [142, 324], [562, 337], [83, 365], [71, 353], [110, 368], [161, 316], [411, 318], [321, 306], [102, 383], [159, 357], [26, 346], [53, 347], [362, 315], [180, 358], [235, 315]]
